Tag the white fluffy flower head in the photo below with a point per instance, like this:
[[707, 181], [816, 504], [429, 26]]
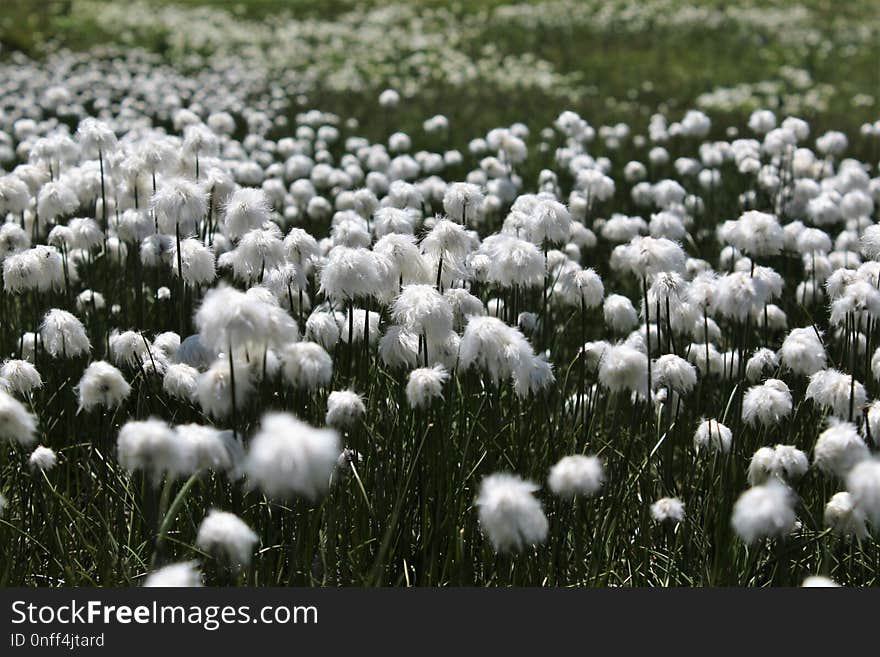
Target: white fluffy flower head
[[509, 513], [576, 475], [227, 535], [425, 384], [667, 509], [42, 459], [765, 511], [102, 385], [288, 457]]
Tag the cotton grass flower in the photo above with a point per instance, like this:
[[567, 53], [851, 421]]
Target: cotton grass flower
[[389, 98], [14, 195], [395, 222], [839, 448], [363, 324], [576, 475], [764, 511], [288, 457], [229, 318], [128, 348], [818, 581], [549, 221], [288, 283], [425, 384], [208, 448], [344, 408], [17, 425], [667, 509], [176, 575], [674, 372], [63, 335], [535, 375], [407, 264], [624, 368], [196, 262], [86, 233], [102, 385], [784, 463], [648, 256], [837, 392], [168, 343], [464, 306], [306, 365], [767, 404], [38, 269], [56, 199], [95, 136], [179, 205], [739, 295], [844, 518], [21, 376], [619, 313], [446, 245], [258, 251], [322, 328], [592, 353], [802, 352], [869, 243], [13, 240], [863, 483], [152, 446], [509, 513], [42, 459], [755, 233], [462, 200], [582, 287], [27, 344], [422, 310], [399, 348], [713, 436], [224, 387], [349, 273], [513, 262], [90, 301], [498, 349], [227, 535], [763, 360], [300, 248]]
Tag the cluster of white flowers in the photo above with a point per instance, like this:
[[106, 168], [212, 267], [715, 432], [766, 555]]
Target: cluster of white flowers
[[159, 449], [324, 287]]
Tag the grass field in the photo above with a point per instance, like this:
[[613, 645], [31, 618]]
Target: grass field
[[637, 250], [623, 59]]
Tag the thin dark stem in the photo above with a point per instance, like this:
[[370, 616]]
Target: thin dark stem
[[180, 282], [648, 347], [350, 334], [232, 391], [440, 274], [103, 194]]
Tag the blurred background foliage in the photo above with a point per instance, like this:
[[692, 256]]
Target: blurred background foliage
[[620, 73]]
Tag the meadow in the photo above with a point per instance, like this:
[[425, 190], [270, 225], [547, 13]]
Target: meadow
[[429, 294]]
